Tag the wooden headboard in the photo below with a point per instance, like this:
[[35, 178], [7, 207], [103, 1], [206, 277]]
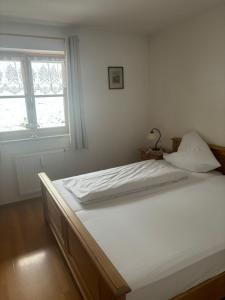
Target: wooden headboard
[[218, 151]]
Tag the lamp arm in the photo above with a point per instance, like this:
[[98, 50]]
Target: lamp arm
[[156, 144]]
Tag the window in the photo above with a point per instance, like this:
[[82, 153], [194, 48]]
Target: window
[[32, 96]]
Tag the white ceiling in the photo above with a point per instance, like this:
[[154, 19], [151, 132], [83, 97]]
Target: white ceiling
[[143, 16]]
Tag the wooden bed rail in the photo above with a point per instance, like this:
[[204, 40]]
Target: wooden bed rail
[[94, 273]]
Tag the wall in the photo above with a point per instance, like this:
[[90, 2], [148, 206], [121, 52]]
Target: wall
[[116, 120], [187, 77], [183, 89]]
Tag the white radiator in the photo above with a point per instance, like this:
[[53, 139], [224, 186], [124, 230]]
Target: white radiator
[[29, 165]]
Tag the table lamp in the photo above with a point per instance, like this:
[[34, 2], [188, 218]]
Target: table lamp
[[154, 134]]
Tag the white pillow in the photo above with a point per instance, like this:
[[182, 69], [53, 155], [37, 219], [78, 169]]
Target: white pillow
[[193, 155]]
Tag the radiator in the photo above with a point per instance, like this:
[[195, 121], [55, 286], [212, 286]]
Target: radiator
[[29, 165]]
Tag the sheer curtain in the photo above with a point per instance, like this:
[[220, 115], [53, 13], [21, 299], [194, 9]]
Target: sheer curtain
[[77, 126]]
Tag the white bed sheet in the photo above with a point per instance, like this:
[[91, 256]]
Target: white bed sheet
[[167, 240]]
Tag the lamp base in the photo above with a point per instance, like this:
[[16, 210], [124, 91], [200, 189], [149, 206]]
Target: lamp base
[[155, 149]]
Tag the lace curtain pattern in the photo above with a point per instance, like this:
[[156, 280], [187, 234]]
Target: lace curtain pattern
[[47, 78], [11, 81]]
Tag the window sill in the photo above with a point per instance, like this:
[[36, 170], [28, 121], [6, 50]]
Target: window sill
[[33, 139]]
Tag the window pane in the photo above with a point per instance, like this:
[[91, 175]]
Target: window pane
[[50, 112], [47, 78], [13, 114], [11, 81]]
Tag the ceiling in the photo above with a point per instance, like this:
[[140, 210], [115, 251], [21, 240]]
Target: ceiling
[[141, 16]]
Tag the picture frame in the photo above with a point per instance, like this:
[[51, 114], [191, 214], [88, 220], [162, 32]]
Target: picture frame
[[116, 78]]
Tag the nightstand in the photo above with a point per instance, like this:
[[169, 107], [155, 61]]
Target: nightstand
[[147, 153]]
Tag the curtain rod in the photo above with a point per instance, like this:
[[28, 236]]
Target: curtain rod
[[33, 36]]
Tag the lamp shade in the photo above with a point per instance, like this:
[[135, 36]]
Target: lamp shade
[[151, 136]]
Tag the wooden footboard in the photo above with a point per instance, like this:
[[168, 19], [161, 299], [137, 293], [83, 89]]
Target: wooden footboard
[[95, 275], [212, 289], [93, 272]]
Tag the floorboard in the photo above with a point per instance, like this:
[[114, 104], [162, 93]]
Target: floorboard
[[31, 266]]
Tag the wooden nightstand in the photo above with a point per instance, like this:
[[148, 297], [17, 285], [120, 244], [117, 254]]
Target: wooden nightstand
[[147, 153]]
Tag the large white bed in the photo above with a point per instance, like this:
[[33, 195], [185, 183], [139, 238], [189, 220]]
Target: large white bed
[[145, 231], [165, 240]]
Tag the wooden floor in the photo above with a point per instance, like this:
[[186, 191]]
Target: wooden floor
[[31, 267]]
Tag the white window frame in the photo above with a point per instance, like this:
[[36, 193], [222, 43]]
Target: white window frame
[[32, 131]]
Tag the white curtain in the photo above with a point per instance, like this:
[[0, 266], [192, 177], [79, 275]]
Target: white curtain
[[77, 126]]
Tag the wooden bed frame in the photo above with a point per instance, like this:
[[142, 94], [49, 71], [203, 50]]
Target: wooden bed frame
[[92, 270]]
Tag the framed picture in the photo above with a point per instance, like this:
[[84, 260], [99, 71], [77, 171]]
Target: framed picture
[[116, 80]]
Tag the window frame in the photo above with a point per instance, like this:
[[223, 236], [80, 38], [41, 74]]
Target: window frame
[[32, 131]]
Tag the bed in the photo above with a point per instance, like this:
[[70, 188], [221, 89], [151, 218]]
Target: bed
[[100, 262]]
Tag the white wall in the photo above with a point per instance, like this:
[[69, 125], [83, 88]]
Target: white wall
[[116, 121], [187, 67], [180, 87]]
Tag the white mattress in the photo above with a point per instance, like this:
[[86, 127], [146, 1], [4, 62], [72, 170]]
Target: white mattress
[[165, 241]]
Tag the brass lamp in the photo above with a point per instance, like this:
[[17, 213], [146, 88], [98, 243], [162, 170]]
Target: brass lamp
[[152, 135]]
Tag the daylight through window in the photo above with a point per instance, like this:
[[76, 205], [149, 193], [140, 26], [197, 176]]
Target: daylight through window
[[32, 95]]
